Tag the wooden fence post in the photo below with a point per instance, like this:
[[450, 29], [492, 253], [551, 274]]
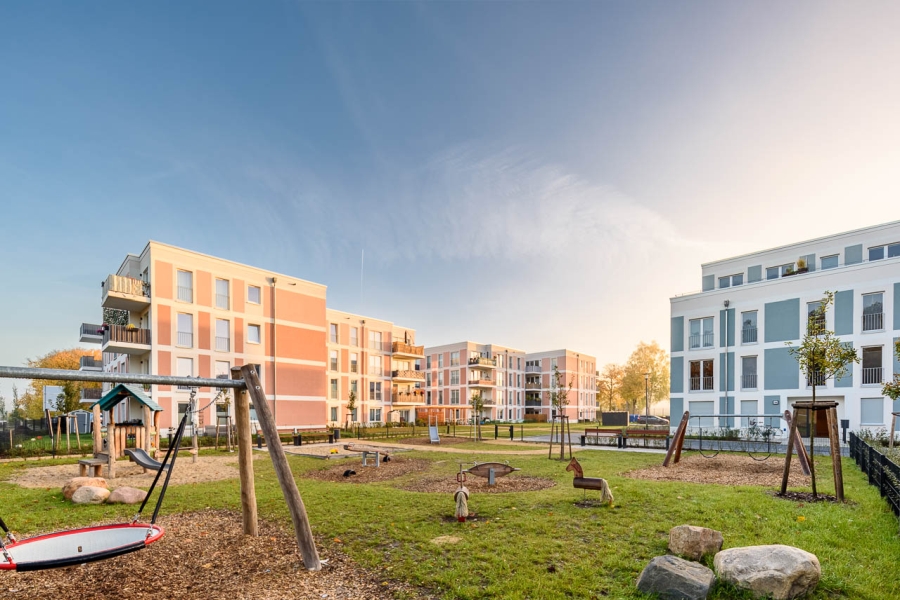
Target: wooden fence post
[[245, 458], [302, 529]]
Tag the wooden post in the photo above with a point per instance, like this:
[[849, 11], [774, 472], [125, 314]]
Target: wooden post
[[68, 439], [98, 435], [245, 458], [111, 445], [790, 450], [77, 433], [148, 428], [302, 529], [674, 451], [157, 433], [831, 416], [802, 454]]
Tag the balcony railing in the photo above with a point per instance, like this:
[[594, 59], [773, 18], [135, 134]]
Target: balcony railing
[[701, 341], [873, 322], [701, 384], [871, 375], [408, 374], [748, 382], [417, 396], [815, 324], [185, 294], [481, 382], [223, 344], [817, 378], [748, 335], [403, 348], [532, 386], [126, 335], [90, 332], [483, 361], [126, 285], [222, 301], [89, 362], [532, 403], [532, 369], [185, 339]]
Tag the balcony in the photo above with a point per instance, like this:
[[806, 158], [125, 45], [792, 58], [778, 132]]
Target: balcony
[[533, 386], [532, 403], [408, 375], [126, 340], [748, 382], [483, 361], [91, 394], [532, 369], [416, 397], [873, 322], [403, 350], [701, 384], [125, 293], [89, 363], [91, 333], [482, 383], [871, 375], [817, 379], [748, 335], [701, 341]]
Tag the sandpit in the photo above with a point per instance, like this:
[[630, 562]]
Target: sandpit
[[396, 467], [724, 469], [204, 555]]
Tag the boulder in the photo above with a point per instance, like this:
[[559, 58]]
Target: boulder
[[89, 494], [775, 571], [77, 482], [693, 542], [126, 495], [673, 578]]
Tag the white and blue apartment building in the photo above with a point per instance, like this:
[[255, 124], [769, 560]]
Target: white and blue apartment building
[[728, 351]]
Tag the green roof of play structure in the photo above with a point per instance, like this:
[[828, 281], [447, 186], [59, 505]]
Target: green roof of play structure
[[123, 391]]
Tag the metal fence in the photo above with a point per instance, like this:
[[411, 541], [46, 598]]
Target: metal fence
[[882, 472]]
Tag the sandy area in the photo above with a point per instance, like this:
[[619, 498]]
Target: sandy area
[[503, 485], [396, 467], [724, 469]]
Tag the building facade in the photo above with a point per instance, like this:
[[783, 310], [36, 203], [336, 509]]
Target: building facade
[[728, 341]]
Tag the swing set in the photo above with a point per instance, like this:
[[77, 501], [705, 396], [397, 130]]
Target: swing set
[[88, 544]]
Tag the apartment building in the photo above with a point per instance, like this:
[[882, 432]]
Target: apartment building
[[728, 347], [379, 363], [513, 384]]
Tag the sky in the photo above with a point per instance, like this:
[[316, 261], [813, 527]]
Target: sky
[[532, 174]]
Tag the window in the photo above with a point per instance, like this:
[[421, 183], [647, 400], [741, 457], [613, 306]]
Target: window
[[815, 318], [871, 365], [185, 368], [779, 271], [253, 335], [223, 369], [375, 391], [428, 362], [428, 398], [701, 375], [375, 340], [334, 332], [454, 359], [428, 379], [441, 360], [376, 366], [185, 285], [354, 386], [553, 363], [254, 294], [222, 299], [518, 380], [454, 396], [871, 411], [731, 280], [333, 360], [440, 396], [748, 373], [334, 389], [185, 330], [375, 415], [829, 262], [876, 253], [333, 414], [440, 378], [454, 377], [354, 336], [873, 312], [701, 333], [354, 362], [748, 327], [223, 335]]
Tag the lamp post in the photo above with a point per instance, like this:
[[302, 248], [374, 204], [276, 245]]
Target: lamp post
[[647, 399]]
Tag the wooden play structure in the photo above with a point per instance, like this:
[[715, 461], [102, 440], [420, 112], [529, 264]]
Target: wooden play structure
[[589, 483], [813, 408], [144, 431], [490, 470]]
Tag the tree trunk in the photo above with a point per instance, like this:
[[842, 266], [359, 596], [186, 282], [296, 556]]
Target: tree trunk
[[812, 437]]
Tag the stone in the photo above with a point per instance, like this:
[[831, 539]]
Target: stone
[[76, 482], [89, 494], [126, 495], [693, 542], [673, 578], [775, 571]]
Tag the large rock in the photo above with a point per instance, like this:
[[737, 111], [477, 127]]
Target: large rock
[[126, 495], [674, 578], [76, 482], [778, 571], [88, 494], [693, 542]]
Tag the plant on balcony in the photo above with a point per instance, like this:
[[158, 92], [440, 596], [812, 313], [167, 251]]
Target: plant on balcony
[[821, 356]]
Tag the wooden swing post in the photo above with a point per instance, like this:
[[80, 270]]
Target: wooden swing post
[[245, 458]]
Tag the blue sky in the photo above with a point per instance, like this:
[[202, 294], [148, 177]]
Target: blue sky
[[532, 174]]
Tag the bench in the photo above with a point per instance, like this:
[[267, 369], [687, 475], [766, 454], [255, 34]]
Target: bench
[[95, 464], [596, 434], [646, 434]]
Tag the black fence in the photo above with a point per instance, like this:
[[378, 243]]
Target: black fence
[[883, 472]]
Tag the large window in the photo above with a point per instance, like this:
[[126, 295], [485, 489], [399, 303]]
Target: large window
[[375, 340], [701, 333], [375, 415], [334, 414], [376, 366], [731, 280], [333, 360], [223, 335], [354, 362], [185, 337], [748, 373], [885, 250], [830, 262], [354, 336], [454, 377], [454, 359], [702, 378], [253, 334], [185, 285], [185, 368], [749, 407], [254, 294], [748, 327], [441, 360], [871, 411], [871, 365], [354, 386], [454, 396], [334, 389], [333, 329], [375, 391], [873, 312], [815, 318], [779, 271], [427, 378]]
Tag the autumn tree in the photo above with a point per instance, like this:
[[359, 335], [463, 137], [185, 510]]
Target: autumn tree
[[68, 360], [646, 358], [559, 393], [351, 407], [609, 385], [18, 405], [3, 412]]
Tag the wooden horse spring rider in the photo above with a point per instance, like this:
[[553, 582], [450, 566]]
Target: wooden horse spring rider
[[590, 483]]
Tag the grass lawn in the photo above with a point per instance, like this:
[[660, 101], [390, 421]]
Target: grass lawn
[[536, 544]]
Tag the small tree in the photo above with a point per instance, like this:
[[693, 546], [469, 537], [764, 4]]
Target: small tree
[[351, 407], [821, 356], [559, 393], [477, 404], [891, 389], [18, 406], [3, 413]]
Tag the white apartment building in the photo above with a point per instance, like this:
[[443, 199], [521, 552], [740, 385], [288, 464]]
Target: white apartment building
[[728, 348]]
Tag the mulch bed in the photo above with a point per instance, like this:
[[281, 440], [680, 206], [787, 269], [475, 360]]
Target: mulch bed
[[804, 497], [724, 469], [397, 467], [447, 484], [204, 555]]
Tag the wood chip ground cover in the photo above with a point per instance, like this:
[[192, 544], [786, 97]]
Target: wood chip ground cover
[[723, 470], [204, 555]]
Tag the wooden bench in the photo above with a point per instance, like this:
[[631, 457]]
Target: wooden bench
[[596, 434], [95, 464], [646, 434]]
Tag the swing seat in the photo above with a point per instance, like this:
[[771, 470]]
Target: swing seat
[[78, 546]]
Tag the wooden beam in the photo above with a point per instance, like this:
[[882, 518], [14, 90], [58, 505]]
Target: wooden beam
[[802, 453], [302, 529], [98, 435], [831, 416], [790, 450], [677, 441], [245, 459]]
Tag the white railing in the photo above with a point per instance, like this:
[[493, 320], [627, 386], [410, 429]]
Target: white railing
[[873, 322], [748, 382], [185, 294], [186, 339], [222, 301], [748, 335], [817, 378], [871, 375], [532, 369], [701, 383], [223, 344], [705, 340]]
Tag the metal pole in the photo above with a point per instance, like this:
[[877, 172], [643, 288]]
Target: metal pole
[[101, 377], [647, 399]]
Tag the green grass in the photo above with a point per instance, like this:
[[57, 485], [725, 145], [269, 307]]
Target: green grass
[[536, 544]]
